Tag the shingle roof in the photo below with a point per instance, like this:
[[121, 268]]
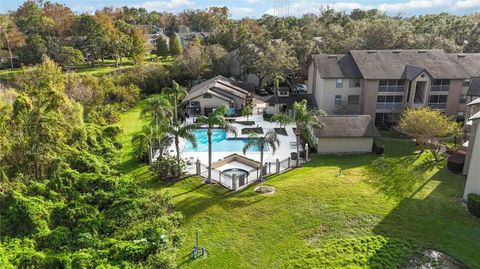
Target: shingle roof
[[470, 62], [347, 126], [219, 85], [390, 64], [474, 102], [474, 88], [292, 98], [336, 66], [412, 72]]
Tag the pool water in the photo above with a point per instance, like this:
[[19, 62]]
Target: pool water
[[220, 143]]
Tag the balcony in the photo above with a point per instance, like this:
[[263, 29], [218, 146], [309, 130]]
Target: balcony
[[440, 88], [440, 106], [390, 106], [391, 88]]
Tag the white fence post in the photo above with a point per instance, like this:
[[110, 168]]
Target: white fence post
[[306, 152], [278, 166], [198, 172]]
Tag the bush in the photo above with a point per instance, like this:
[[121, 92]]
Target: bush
[[167, 168], [456, 161], [473, 204], [267, 117]]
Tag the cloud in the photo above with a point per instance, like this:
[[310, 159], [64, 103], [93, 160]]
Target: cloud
[[252, 1], [172, 5], [300, 7], [239, 12], [467, 4]]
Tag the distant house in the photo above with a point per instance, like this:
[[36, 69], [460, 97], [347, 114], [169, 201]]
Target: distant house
[[205, 97], [346, 134], [284, 101]]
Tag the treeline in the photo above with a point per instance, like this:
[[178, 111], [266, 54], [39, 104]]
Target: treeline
[[63, 204], [260, 46]]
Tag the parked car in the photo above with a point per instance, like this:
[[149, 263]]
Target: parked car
[[301, 88], [261, 92]]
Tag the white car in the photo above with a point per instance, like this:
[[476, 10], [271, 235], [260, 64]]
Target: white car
[[301, 88]]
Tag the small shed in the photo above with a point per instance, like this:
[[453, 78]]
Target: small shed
[[346, 134]]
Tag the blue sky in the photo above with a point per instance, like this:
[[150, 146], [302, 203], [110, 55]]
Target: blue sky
[[256, 8]]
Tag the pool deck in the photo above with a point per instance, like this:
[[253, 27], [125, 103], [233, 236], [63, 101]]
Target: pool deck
[[287, 143]]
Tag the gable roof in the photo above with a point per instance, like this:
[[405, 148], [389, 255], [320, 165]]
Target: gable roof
[[218, 86], [474, 88], [390, 64], [470, 62], [336, 66], [347, 126], [412, 72]]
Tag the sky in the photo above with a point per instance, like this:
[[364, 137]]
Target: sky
[[256, 8]]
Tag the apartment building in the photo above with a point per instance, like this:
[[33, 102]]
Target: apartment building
[[382, 83]]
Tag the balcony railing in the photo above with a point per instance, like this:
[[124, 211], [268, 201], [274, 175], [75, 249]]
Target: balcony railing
[[390, 106], [440, 88], [437, 105], [391, 88]]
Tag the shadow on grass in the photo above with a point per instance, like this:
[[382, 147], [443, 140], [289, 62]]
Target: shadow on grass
[[434, 221]]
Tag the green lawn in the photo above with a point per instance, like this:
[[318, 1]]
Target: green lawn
[[104, 67], [372, 216]]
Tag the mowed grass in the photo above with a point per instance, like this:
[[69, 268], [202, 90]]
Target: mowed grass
[[364, 218], [101, 67]]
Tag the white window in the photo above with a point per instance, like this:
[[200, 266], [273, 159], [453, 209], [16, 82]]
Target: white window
[[466, 83], [338, 100], [339, 83], [463, 98]]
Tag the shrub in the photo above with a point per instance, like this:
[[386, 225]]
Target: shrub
[[456, 161], [167, 168], [473, 204]]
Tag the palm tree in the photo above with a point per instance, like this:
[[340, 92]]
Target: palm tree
[[277, 78], [304, 119], [177, 92], [178, 131], [215, 119], [157, 106], [270, 139], [144, 141]]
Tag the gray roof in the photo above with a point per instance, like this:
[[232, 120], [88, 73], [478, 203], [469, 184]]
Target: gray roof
[[412, 72], [474, 102], [474, 88], [218, 86], [470, 62], [391, 64], [347, 126], [294, 97], [336, 66]]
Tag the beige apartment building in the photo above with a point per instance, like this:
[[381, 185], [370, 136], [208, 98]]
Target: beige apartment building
[[382, 83]]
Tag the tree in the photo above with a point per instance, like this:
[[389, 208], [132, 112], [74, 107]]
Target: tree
[[305, 120], [162, 47], [277, 77], [247, 111], [10, 36], [275, 57], [175, 45], [68, 56], [144, 142], [215, 119], [195, 61], [270, 139], [159, 108], [177, 131], [137, 51], [177, 92], [429, 127]]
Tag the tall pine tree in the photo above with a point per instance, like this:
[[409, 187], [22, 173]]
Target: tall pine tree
[[175, 46], [162, 47]]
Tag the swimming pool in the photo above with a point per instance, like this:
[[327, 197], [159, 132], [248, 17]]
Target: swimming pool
[[220, 143]]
